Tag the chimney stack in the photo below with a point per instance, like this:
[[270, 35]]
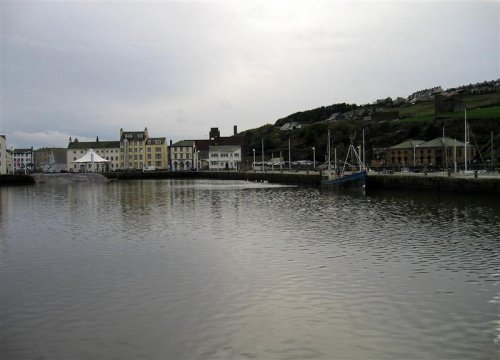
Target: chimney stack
[[235, 130]]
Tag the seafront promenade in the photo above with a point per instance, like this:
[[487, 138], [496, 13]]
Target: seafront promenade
[[470, 183]]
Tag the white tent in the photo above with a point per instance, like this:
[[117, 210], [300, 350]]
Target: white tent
[[91, 158]]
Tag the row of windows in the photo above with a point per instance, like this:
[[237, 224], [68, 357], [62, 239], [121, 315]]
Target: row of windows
[[157, 149], [141, 143], [188, 156], [215, 155], [222, 163], [140, 157], [437, 152], [98, 151], [181, 149]]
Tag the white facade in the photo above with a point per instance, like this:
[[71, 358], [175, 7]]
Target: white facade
[[224, 157], [23, 160], [3, 155], [109, 150]]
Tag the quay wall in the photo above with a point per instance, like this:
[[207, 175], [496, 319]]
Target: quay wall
[[445, 184], [311, 179], [487, 185], [16, 180]]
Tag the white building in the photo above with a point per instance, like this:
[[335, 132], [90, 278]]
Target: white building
[[291, 126], [23, 160], [224, 157], [3, 154], [109, 150]]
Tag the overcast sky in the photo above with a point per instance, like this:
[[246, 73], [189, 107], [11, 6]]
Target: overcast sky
[[88, 68]]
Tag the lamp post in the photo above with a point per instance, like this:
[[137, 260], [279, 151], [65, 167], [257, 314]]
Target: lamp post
[[414, 153], [314, 157], [253, 164], [198, 160], [263, 169]]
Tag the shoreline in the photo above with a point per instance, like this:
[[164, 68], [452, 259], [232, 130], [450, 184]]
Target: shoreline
[[484, 184]]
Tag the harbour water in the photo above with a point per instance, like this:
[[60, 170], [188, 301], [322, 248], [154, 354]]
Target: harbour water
[[206, 269]]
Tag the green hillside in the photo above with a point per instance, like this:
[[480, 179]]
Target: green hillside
[[415, 121]]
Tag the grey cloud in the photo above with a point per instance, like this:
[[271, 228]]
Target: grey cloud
[[90, 68]]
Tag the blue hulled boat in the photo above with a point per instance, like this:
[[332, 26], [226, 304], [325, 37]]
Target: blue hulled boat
[[342, 179]]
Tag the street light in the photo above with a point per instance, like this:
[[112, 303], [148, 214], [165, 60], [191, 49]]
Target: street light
[[414, 151], [253, 164], [198, 160], [314, 157]]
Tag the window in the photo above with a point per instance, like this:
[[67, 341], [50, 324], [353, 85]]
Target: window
[[149, 149], [158, 149]]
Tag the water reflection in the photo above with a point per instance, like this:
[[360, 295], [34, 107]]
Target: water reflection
[[213, 269]]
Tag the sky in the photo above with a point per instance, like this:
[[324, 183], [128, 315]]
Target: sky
[[88, 68]]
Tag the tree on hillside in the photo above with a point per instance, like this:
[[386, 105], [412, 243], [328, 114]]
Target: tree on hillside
[[432, 132]]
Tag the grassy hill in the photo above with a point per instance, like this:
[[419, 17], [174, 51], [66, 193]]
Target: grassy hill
[[417, 121]]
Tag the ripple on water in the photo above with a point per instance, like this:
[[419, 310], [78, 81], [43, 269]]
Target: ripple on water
[[211, 269]]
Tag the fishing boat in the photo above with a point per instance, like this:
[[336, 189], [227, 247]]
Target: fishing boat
[[353, 178]]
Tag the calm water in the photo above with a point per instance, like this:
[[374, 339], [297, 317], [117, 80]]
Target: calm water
[[235, 270]]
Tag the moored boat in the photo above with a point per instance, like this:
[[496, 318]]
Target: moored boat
[[342, 179]]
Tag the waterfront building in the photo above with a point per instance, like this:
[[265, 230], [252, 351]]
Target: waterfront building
[[202, 146], [156, 153], [22, 160], [109, 150], [224, 157], [183, 155], [138, 150], [402, 154], [436, 152], [3, 154], [51, 159]]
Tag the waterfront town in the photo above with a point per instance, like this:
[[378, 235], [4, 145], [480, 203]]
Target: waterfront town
[[139, 150]]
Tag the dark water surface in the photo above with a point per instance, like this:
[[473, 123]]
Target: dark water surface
[[235, 270]]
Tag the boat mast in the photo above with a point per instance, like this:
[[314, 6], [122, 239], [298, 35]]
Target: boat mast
[[465, 138], [363, 154], [329, 150]]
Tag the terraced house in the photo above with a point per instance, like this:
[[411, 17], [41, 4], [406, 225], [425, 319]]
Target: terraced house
[[156, 153], [23, 160], [138, 150], [183, 155]]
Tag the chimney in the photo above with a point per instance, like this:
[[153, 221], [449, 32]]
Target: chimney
[[235, 130], [170, 142]]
